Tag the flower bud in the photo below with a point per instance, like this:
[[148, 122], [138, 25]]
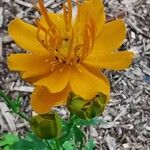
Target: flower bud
[[46, 126], [87, 109]]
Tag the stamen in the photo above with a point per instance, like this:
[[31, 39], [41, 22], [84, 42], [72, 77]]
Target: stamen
[[93, 25], [52, 62], [53, 66], [34, 5], [51, 38], [65, 16], [89, 38], [46, 37], [41, 41], [45, 43], [76, 50], [86, 42], [62, 68], [68, 15], [92, 28], [70, 48], [78, 68], [76, 53], [92, 35], [69, 12], [56, 65], [77, 3], [50, 44], [43, 11]]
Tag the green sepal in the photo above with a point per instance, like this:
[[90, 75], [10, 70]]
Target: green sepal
[[46, 126], [86, 109]]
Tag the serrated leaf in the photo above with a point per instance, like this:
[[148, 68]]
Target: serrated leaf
[[67, 130], [13, 104], [78, 134], [23, 145], [8, 139], [29, 142]]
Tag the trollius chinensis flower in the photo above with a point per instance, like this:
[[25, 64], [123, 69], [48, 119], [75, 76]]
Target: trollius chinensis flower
[[66, 54]]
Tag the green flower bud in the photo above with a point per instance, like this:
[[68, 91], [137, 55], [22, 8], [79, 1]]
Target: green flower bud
[[46, 126], [87, 109]]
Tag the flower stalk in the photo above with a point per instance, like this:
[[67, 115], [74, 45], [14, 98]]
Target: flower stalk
[[14, 105], [49, 146]]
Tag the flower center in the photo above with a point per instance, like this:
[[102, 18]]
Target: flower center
[[70, 48]]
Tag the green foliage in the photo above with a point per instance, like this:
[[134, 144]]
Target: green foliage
[[13, 104], [89, 122], [29, 142], [78, 135], [69, 145], [68, 134], [71, 138], [8, 140], [72, 132]]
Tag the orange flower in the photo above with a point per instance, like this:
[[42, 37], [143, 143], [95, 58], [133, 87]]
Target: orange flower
[[66, 53]]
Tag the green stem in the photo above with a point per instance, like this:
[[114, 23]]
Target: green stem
[[68, 134], [8, 101], [22, 115], [49, 146], [5, 97], [81, 145], [57, 144]]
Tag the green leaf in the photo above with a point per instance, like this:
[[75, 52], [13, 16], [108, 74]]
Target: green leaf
[[13, 104], [6, 148], [8, 139], [79, 135], [16, 104], [90, 145], [23, 145], [88, 122], [68, 127], [30, 142], [68, 145]]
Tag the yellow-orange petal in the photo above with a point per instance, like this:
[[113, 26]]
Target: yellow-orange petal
[[30, 64], [42, 100], [110, 39], [100, 75], [57, 20], [33, 79], [115, 61], [56, 81], [25, 35], [86, 84], [92, 9]]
